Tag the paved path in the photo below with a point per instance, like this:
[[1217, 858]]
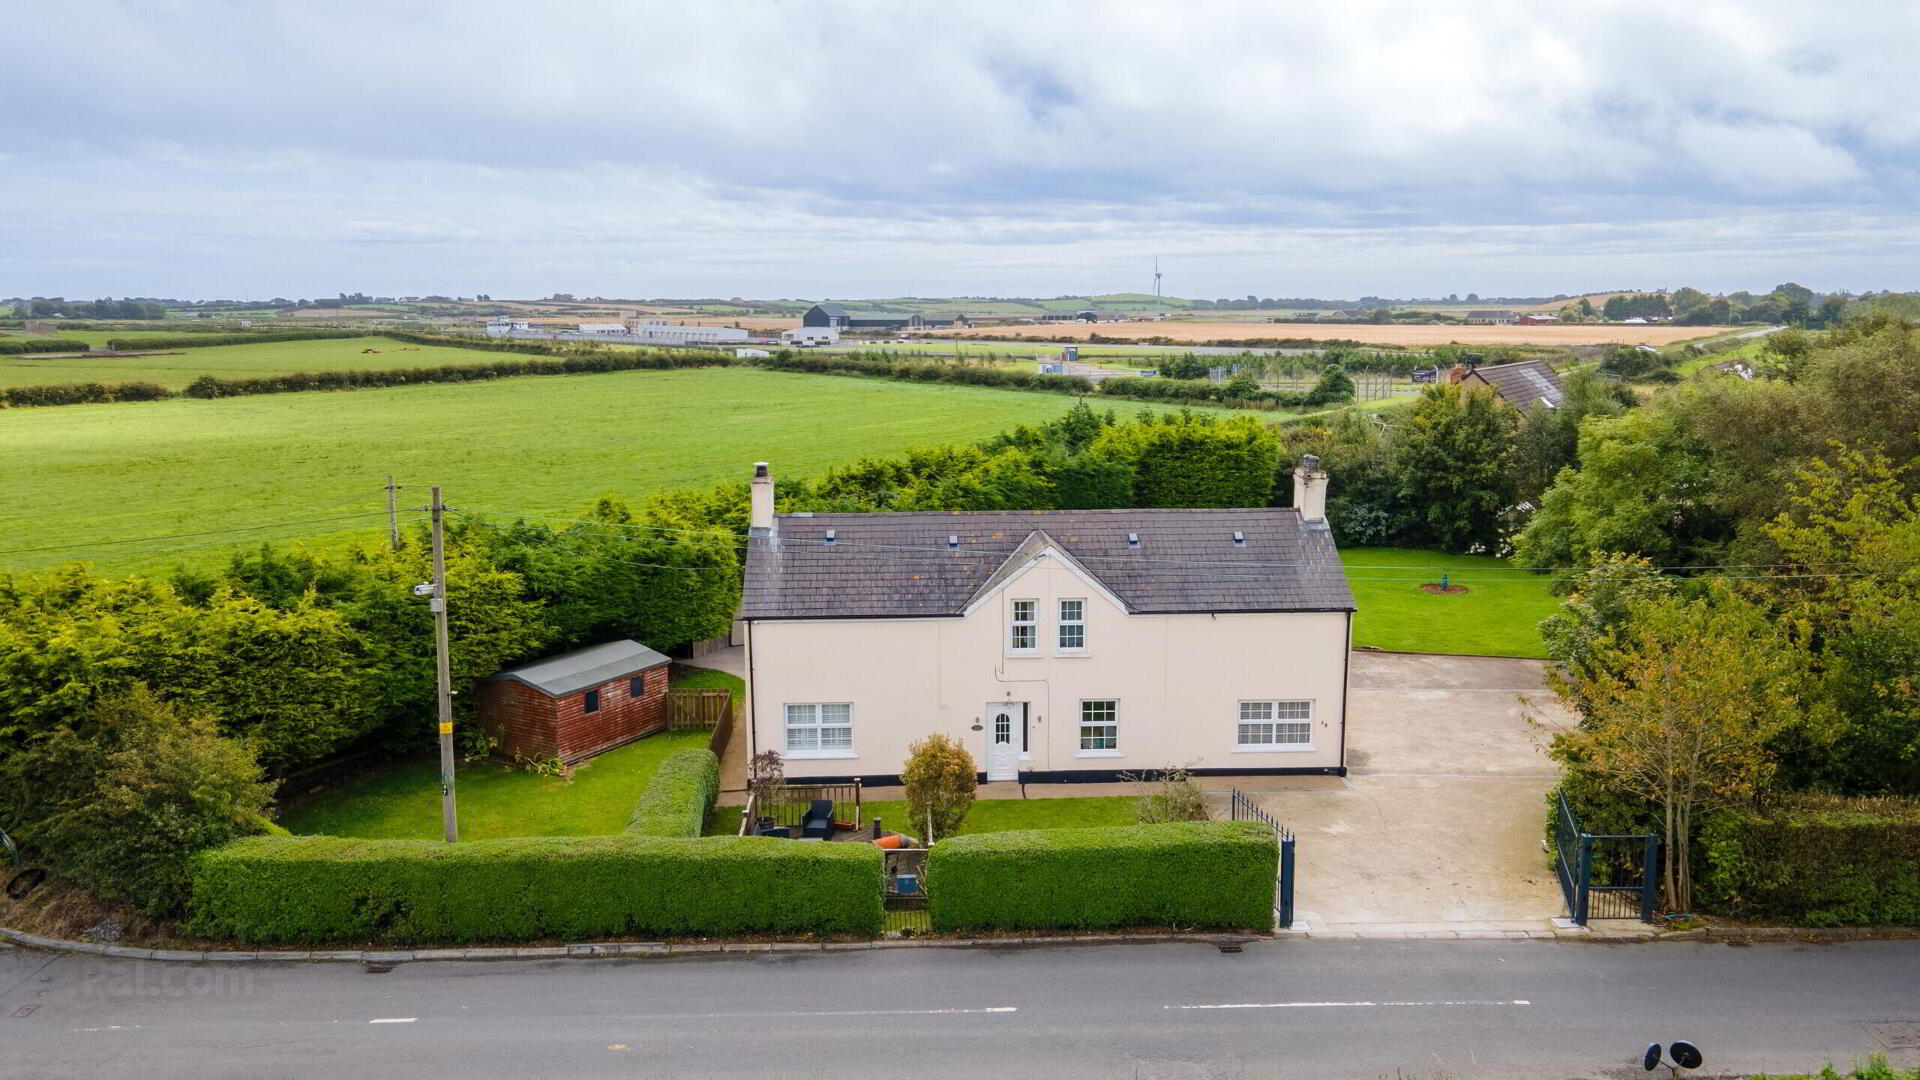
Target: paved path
[[1439, 824], [1321, 1009]]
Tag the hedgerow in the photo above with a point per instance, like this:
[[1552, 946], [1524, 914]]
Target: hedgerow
[[1815, 861], [169, 341], [678, 797], [15, 346], [92, 393], [331, 890], [209, 386], [1213, 874]]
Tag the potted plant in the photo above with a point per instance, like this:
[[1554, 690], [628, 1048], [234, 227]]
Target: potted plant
[[766, 775]]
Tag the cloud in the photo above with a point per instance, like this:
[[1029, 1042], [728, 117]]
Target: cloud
[[962, 146]]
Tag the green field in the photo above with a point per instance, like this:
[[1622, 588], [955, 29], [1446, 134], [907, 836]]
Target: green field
[[230, 361], [1498, 615], [83, 474]]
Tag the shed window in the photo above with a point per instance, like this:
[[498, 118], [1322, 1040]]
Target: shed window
[[593, 701], [637, 686], [1276, 725], [1100, 725], [818, 727]]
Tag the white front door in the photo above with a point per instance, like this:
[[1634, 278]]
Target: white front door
[[1006, 737]]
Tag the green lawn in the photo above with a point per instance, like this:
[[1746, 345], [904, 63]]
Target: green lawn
[[987, 815], [1498, 615], [403, 802], [229, 361], [83, 474]]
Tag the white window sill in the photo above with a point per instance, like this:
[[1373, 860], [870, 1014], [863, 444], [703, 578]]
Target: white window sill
[[1098, 753], [811, 755], [1071, 652], [1294, 748], [1023, 654]]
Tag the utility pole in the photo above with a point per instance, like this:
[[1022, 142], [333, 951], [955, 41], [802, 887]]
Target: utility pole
[[393, 512], [443, 668]]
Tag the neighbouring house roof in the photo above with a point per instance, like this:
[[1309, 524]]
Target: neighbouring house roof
[[558, 676], [1524, 383], [900, 565]]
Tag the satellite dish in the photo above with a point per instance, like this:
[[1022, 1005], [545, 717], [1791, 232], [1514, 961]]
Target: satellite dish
[[1685, 1054], [1651, 1059]]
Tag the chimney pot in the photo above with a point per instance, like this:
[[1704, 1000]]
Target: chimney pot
[[1310, 489], [761, 510]]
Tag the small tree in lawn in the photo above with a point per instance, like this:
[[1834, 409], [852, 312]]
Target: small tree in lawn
[[1678, 707], [939, 779], [1171, 795]]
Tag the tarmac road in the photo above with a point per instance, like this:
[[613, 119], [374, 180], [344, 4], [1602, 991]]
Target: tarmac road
[[1294, 1008]]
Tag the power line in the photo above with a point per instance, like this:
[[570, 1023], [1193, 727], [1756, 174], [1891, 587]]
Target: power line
[[846, 545], [1217, 571], [182, 536]]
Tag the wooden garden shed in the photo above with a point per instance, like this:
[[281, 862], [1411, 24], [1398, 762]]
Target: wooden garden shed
[[577, 704]]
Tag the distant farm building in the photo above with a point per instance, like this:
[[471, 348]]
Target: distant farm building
[[806, 336], [577, 704], [1537, 319], [661, 332], [602, 329], [507, 327], [1492, 318], [833, 316], [1521, 385], [1099, 315]]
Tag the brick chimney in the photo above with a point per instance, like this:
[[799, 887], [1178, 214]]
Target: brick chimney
[[762, 516], [1310, 489]]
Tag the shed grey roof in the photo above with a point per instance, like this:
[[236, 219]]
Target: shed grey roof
[[829, 309], [900, 565], [558, 676], [1524, 383]]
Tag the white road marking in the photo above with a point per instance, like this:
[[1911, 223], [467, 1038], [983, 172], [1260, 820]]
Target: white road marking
[[823, 1012], [395, 1020], [1340, 1004]]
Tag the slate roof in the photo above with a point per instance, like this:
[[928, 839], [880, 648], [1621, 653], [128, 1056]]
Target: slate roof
[[1524, 383], [558, 676], [900, 565]]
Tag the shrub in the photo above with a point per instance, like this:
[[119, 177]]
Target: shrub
[[678, 797], [324, 889], [939, 781], [36, 345], [122, 800], [1815, 861], [1214, 874]]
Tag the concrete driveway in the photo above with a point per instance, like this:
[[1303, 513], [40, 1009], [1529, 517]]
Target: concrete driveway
[[1438, 826]]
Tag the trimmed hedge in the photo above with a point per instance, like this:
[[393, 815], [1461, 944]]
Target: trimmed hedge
[[16, 397], [679, 795], [15, 346], [1213, 874], [333, 890], [1815, 861], [169, 341]]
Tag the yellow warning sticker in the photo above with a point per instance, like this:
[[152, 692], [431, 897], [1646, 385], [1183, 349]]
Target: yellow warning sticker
[[446, 728]]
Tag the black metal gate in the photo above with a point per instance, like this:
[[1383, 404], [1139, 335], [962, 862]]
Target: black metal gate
[[1243, 809], [1605, 877]]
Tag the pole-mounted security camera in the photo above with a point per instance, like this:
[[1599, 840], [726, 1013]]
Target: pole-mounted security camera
[[423, 589]]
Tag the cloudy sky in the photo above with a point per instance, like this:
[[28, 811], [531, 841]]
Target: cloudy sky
[[848, 148]]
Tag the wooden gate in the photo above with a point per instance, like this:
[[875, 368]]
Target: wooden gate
[[697, 710]]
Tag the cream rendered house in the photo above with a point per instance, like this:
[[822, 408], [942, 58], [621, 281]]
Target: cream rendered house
[[1060, 645]]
